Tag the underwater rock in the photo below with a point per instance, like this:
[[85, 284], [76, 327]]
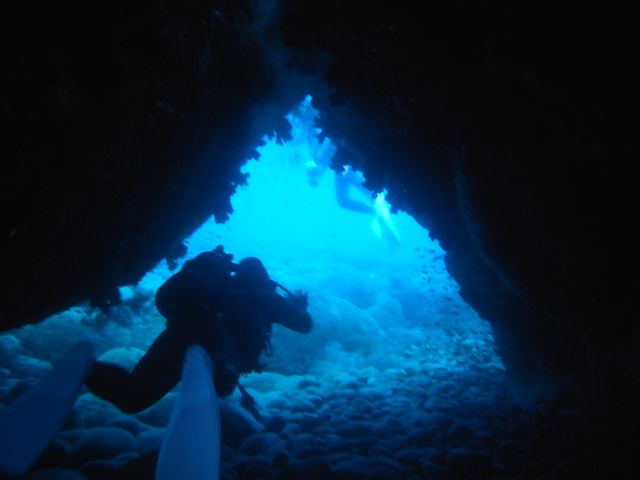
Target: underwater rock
[[58, 333], [361, 405], [467, 458], [379, 450], [275, 443], [55, 474], [227, 472], [386, 464], [10, 348], [258, 469], [433, 419], [350, 385], [409, 456], [308, 422], [432, 403], [91, 411], [324, 428], [142, 467], [356, 466], [301, 441], [293, 355], [365, 443], [317, 400], [315, 468], [140, 295], [334, 442], [308, 382], [433, 470], [254, 445], [292, 429], [9, 387], [121, 315], [270, 383], [443, 388], [387, 310], [362, 292], [227, 453], [388, 427], [29, 367], [126, 422], [126, 457], [420, 436], [150, 440], [103, 444], [126, 357], [100, 469], [236, 425], [276, 423], [55, 454], [450, 405], [459, 431], [71, 436], [158, 414], [280, 460], [307, 453], [354, 328], [302, 405], [279, 403], [355, 429]]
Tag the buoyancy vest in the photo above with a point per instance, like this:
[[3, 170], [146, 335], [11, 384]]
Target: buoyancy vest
[[183, 300], [186, 294]]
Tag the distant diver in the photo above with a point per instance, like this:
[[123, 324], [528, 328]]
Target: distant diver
[[226, 308], [349, 181], [352, 195]]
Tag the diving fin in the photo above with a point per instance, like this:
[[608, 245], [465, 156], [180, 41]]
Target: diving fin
[[191, 446], [29, 424], [383, 221]]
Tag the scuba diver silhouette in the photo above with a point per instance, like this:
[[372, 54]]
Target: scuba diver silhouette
[[219, 317], [350, 192], [225, 307]]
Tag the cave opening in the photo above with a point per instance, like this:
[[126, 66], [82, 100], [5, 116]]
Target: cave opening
[[506, 130], [396, 358], [379, 291]]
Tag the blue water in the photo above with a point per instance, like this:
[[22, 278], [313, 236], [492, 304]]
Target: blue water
[[396, 363], [378, 288]]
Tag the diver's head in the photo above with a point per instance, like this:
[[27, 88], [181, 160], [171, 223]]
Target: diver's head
[[251, 275]]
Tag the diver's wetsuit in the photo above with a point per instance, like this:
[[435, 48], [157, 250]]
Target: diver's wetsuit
[[231, 323]]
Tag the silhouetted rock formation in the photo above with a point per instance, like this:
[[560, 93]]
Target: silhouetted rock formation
[[507, 131]]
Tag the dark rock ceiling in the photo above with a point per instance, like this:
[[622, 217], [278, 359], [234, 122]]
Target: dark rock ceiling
[[507, 130]]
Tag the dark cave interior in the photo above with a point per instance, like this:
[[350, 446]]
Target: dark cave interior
[[506, 130]]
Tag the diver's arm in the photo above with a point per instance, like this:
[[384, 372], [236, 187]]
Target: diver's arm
[[289, 312], [230, 298]]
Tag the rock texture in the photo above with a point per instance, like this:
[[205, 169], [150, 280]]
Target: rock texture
[[506, 130], [122, 129]]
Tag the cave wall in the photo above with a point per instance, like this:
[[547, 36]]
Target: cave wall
[[506, 130], [122, 130]]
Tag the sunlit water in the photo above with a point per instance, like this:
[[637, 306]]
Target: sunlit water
[[392, 339]]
